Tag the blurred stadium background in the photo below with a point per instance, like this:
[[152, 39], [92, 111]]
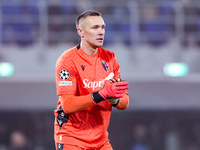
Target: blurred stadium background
[[157, 43]]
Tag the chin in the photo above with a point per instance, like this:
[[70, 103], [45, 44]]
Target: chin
[[99, 45]]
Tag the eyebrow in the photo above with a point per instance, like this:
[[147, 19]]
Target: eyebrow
[[96, 25]]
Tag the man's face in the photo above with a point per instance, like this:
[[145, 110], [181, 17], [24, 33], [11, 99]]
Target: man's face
[[93, 31]]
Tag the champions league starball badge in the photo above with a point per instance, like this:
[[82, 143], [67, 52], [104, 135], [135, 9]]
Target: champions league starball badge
[[64, 74], [105, 66]]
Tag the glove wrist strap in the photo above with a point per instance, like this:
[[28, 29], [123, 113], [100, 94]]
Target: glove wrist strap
[[114, 105], [97, 97]]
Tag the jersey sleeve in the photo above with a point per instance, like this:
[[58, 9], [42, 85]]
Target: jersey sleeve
[[124, 101], [116, 68], [65, 76]]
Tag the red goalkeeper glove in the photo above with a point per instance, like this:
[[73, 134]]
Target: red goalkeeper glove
[[110, 90], [114, 101]]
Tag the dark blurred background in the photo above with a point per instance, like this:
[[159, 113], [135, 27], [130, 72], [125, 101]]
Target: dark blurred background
[[157, 43]]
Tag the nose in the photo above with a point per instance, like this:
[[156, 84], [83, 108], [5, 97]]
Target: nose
[[101, 31]]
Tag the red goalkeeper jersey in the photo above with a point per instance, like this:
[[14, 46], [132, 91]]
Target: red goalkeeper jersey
[[80, 74]]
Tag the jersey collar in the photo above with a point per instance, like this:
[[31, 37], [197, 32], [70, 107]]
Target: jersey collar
[[85, 56]]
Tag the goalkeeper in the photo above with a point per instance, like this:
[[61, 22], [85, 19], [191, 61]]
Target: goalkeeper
[[88, 87]]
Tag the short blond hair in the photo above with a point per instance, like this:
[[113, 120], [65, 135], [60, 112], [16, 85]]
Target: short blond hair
[[86, 14]]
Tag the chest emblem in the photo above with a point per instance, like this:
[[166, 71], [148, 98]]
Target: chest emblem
[[105, 66]]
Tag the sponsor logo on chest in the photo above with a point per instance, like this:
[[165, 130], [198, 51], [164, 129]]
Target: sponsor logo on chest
[[91, 85], [96, 84]]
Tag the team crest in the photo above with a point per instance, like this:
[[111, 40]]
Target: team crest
[[64, 74], [105, 66]]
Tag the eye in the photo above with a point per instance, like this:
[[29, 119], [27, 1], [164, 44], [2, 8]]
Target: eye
[[95, 27]]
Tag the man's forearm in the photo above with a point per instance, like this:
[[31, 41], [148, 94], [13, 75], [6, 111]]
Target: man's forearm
[[72, 104], [124, 102]]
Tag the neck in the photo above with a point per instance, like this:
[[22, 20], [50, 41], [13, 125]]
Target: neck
[[88, 49]]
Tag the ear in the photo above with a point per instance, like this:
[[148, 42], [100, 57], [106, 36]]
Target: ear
[[80, 32]]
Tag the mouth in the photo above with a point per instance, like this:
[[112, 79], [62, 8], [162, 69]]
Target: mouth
[[100, 39]]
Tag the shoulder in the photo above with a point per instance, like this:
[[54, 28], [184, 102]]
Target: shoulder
[[67, 55]]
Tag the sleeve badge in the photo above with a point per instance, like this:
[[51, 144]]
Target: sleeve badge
[[64, 74]]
